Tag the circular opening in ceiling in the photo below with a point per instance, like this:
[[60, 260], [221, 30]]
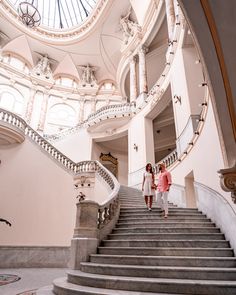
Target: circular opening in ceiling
[[60, 14]]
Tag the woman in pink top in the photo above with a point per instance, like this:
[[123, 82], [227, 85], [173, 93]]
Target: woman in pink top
[[164, 183]]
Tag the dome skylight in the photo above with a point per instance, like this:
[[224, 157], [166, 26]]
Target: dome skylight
[[61, 14]]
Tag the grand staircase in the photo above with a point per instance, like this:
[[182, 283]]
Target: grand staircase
[[147, 254]]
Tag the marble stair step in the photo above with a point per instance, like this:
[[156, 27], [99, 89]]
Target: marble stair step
[[63, 287], [167, 251], [165, 260], [158, 213], [140, 230], [141, 210], [167, 243], [167, 236], [156, 218], [161, 217], [170, 272], [155, 285], [140, 206], [167, 223], [47, 290], [153, 213]]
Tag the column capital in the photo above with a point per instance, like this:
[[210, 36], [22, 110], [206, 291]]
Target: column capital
[[46, 93], [143, 49], [133, 59], [228, 181]]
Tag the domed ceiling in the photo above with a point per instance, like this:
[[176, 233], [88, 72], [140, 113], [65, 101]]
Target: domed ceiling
[[60, 14]]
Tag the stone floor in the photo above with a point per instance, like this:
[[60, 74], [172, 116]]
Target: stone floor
[[31, 279]]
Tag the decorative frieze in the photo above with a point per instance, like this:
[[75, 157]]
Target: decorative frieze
[[88, 75], [129, 28], [43, 68]]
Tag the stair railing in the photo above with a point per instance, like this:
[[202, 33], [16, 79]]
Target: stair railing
[[7, 117], [107, 211]]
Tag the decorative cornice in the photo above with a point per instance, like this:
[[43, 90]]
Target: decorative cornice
[[228, 180]]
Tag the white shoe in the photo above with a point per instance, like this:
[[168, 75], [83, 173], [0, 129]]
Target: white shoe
[[150, 209]]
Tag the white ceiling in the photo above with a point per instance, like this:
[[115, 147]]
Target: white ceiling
[[101, 48]]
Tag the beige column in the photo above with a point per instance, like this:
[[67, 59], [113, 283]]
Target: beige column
[[30, 104], [81, 111], [93, 105], [133, 79], [142, 70], [43, 113], [170, 15]]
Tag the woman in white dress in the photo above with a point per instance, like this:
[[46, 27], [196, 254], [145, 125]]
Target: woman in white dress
[[148, 186]]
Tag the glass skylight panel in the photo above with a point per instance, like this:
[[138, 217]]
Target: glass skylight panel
[[61, 14]]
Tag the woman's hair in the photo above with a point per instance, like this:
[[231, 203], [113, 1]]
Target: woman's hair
[[151, 171]]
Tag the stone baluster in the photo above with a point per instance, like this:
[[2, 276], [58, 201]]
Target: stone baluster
[[170, 16], [142, 70], [133, 79], [43, 113]]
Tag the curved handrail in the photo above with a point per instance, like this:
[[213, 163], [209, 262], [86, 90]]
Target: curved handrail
[[122, 107], [107, 211], [169, 159], [74, 168], [104, 112], [12, 119]]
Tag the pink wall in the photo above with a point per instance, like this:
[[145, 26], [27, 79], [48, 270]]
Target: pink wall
[[37, 197]]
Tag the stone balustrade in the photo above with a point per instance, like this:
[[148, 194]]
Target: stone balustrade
[[94, 221], [116, 109], [12, 119], [169, 159]]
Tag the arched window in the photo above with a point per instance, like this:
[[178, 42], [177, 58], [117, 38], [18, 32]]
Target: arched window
[[59, 117], [11, 99], [16, 63], [67, 82], [108, 86]]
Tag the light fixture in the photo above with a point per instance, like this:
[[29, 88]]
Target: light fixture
[[200, 120], [135, 147], [29, 13], [178, 98], [202, 84]]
